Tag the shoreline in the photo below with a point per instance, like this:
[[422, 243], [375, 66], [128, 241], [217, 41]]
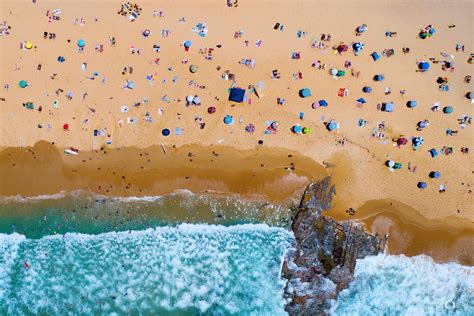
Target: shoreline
[[228, 174]]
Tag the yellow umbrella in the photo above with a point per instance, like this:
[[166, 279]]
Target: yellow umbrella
[[28, 45]]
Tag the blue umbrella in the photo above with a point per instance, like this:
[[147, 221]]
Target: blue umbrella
[[305, 92], [379, 77], [296, 129], [411, 104], [323, 103], [435, 174], [424, 65], [188, 43], [361, 100], [81, 43], [422, 185], [165, 132], [228, 119], [332, 126], [367, 89], [130, 84], [448, 109]]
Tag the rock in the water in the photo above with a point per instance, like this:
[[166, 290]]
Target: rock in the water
[[325, 256]]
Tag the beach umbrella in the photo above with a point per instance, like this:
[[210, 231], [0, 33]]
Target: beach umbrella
[[417, 141], [361, 28], [379, 77], [323, 103], [165, 132], [358, 47], [23, 84], [470, 95], [66, 126], [193, 68], [130, 84], [411, 104], [296, 129], [448, 109], [211, 110], [190, 98], [228, 119], [306, 130], [146, 33], [305, 92], [390, 163], [332, 126], [81, 43], [188, 43], [367, 89], [341, 73], [28, 45], [197, 100], [334, 71], [435, 174], [423, 35], [422, 185], [424, 66]]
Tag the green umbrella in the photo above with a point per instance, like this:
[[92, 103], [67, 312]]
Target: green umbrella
[[23, 84], [448, 109]]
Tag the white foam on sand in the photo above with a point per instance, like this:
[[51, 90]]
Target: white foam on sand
[[187, 268], [400, 285]]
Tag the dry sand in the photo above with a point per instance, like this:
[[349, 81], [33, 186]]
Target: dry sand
[[357, 168]]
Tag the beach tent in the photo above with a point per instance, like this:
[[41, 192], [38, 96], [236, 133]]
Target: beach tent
[[323, 103], [81, 43], [422, 185], [23, 84], [379, 77], [193, 68], [259, 89], [433, 152], [388, 107], [237, 95], [228, 119], [435, 174], [361, 101], [470, 96], [189, 99], [448, 109], [146, 33], [197, 100], [424, 66], [315, 105], [411, 104], [334, 71], [375, 56], [367, 89], [165, 132], [305, 92], [130, 84]]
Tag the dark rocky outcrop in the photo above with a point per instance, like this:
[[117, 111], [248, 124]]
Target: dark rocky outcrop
[[323, 260]]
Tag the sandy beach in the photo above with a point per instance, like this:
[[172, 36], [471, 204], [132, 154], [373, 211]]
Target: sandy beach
[[129, 122]]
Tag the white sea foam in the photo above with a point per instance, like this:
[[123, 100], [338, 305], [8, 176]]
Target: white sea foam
[[399, 285], [187, 268]]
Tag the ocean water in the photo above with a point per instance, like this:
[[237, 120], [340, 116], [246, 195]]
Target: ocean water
[[78, 254], [400, 285], [187, 270]]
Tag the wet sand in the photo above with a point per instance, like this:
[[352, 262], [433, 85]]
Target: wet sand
[[273, 174]]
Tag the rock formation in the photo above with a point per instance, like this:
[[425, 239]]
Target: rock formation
[[324, 257]]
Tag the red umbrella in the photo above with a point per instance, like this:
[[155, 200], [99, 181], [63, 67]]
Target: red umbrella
[[66, 126], [211, 109]]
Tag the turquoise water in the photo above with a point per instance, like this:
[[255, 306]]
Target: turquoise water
[[188, 270], [85, 255]]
